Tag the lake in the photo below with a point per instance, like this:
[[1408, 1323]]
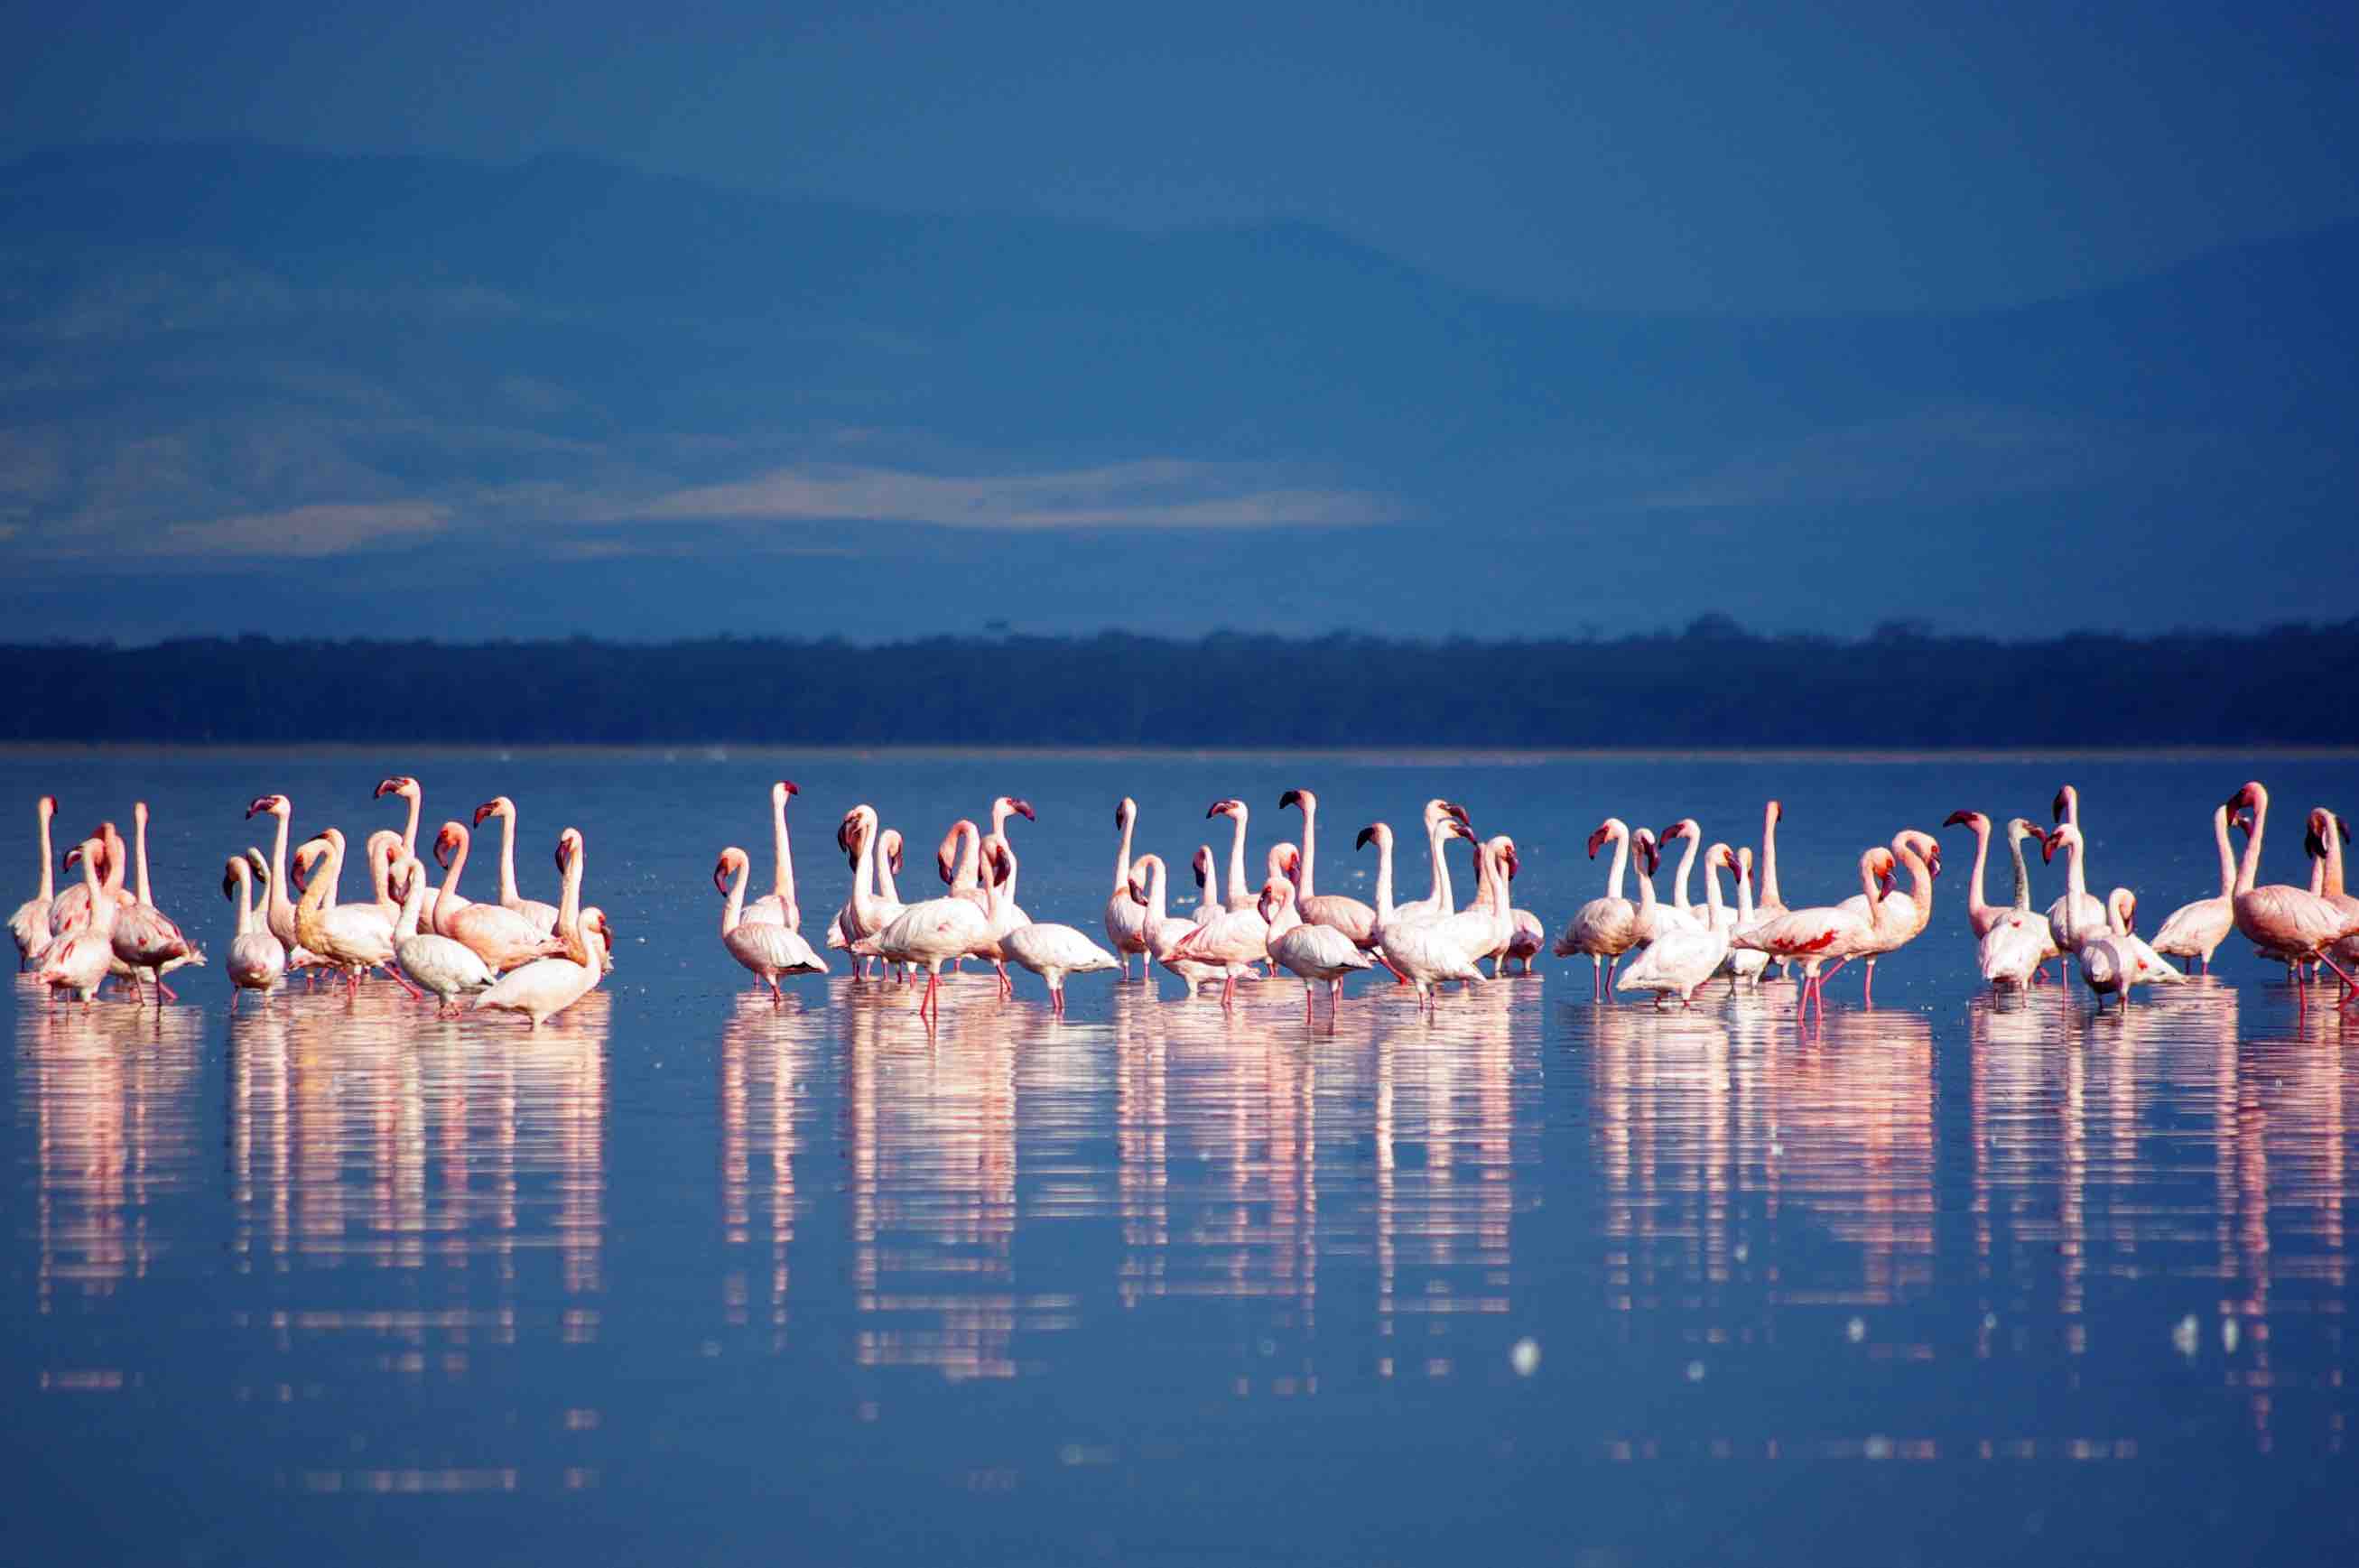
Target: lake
[[685, 1276]]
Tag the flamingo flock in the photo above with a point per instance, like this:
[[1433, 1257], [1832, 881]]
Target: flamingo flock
[[511, 954], [507, 952]]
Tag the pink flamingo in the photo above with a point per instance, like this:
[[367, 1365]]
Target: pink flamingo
[[2303, 925]]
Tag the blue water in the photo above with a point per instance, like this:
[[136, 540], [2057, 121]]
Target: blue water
[[685, 1277]]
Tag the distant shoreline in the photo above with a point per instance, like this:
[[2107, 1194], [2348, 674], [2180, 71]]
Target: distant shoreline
[[1371, 757]]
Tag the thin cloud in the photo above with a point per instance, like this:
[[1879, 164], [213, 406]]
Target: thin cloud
[[1160, 494], [306, 532], [1948, 451]]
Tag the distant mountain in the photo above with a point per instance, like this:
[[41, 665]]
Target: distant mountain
[[549, 367]]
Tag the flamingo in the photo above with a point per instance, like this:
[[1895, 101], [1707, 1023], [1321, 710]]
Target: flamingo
[[1679, 961], [144, 937], [405, 788], [2088, 915], [931, 933], [279, 910], [70, 908], [1687, 828], [769, 948], [1418, 951], [1209, 901], [1126, 918], [1162, 930], [866, 911], [1771, 903], [1653, 918], [2196, 930], [450, 969], [542, 916], [1314, 952], [1240, 897], [1812, 936], [77, 961], [2329, 832], [1346, 914], [2307, 926], [1234, 939], [350, 937], [1049, 950], [500, 936], [1899, 917], [2111, 960], [1743, 964], [1441, 901], [257, 960], [1607, 927], [30, 925], [1980, 914], [1484, 925], [547, 986], [2017, 942]]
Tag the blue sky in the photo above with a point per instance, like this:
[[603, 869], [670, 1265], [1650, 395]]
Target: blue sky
[[1534, 320]]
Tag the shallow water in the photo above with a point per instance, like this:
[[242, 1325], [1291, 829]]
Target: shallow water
[[686, 1275]]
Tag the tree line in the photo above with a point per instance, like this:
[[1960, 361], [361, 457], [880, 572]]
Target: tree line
[[1713, 685]]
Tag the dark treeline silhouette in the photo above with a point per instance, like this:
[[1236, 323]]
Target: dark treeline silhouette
[[1713, 685]]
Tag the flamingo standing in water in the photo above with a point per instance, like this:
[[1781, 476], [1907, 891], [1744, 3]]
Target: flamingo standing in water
[[931, 933], [1812, 936], [1314, 952], [279, 910], [449, 969], [542, 916], [144, 937], [350, 937], [1686, 956], [1345, 913], [2110, 958], [1125, 917], [2302, 925], [1899, 917], [1605, 927], [1688, 829], [1426, 958], [769, 948], [405, 788], [1240, 897], [1049, 950], [30, 925], [1164, 930], [1743, 964], [77, 961], [547, 986], [2088, 915], [2017, 942], [257, 960], [1234, 940], [867, 911], [2195, 930], [778, 907], [500, 936]]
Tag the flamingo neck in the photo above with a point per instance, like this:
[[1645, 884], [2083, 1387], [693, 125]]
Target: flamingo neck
[[1712, 901], [1621, 837], [48, 877], [782, 880], [1122, 852], [569, 907], [1769, 855], [2227, 855], [1155, 914], [863, 874], [1921, 886], [1310, 848], [2332, 887], [277, 900], [413, 901], [416, 798], [1645, 889], [1868, 883], [316, 900], [447, 899], [2249, 872], [139, 834], [1975, 903], [885, 886], [735, 910], [507, 858], [1287, 918], [1743, 895], [1238, 852], [1679, 884], [2022, 872], [1383, 876], [102, 907]]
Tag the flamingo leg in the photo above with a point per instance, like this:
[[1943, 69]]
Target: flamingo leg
[[1867, 990], [170, 994], [232, 1001]]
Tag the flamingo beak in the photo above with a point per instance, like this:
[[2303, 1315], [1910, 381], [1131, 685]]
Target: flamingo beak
[[1137, 894], [1958, 819], [789, 786], [1215, 809], [1023, 809], [2057, 805], [1597, 842], [721, 874], [1366, 835], [942, 865], [1291, 798], [386, 786], [2047, 848], [481, 812], [1455, 809]]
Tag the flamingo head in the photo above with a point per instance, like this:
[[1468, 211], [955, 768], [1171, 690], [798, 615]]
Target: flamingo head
[[2129, 911], [1132, 886], [1276, 894], [1292, 863], [261, 867], [1727, 861], [275, 804], [2063, 803], [1509, 860], [725, 867], [1224, 809], [1459, 811], [46, 806], [232, 875], [298, 870], [1777, 811], [1643, 843], [890, 843], [1453, 828], [1369, 836], [2246, 799], [1965, 819], [782, 790], [1302, 799], [1597, 840], [1204, 864], [1022, 808], [1126, 811], [569, 844], [2056, 839], [1003, 862], [489, 810], [447, 840], [74, 855]]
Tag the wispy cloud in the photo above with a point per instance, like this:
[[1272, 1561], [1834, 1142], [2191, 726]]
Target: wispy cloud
[[306, 532], [1165, 493], [1951, 451]]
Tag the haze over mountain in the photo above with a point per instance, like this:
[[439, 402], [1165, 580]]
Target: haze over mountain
[[251, 388]]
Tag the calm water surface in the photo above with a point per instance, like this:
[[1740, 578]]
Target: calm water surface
[[686, 1277]]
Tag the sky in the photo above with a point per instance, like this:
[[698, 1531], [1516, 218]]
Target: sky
[[1884, 260], [1668, 155]]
